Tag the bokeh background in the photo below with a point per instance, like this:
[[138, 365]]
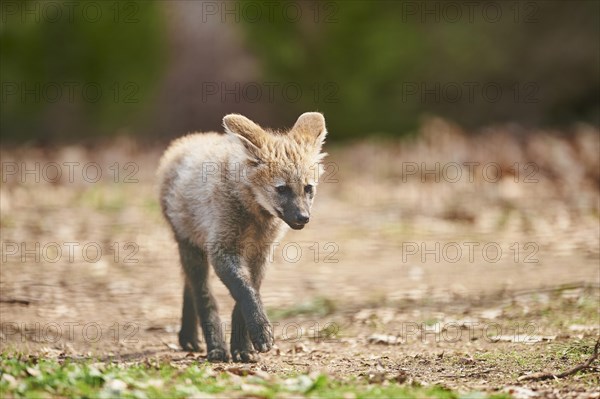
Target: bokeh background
[[452, 125], [156, 69]]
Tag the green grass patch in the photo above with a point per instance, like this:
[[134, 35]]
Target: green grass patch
[[316, 307], [30, 377], [575, 350], [104, 198]]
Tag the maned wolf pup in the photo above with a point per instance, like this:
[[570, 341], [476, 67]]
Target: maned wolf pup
[[228, 198]]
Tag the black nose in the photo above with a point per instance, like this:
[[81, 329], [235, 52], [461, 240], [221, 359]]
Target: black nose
[[302, 219]]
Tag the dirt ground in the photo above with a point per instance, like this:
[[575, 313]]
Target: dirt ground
[[400, 276]]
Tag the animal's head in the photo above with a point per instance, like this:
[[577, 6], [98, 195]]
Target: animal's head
[[282, 168]]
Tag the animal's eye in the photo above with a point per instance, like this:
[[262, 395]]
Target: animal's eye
[[308, 189], [282, 189]]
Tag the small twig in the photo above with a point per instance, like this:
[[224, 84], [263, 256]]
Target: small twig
[[473, 374], [15, 301], [579, 367]]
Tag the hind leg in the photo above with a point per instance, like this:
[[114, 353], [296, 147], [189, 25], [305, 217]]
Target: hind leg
[[195, 265], [188, 335]]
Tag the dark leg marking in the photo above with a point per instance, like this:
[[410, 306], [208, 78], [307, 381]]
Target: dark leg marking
[[229, 269], [188, 335], [241, 346], [195, 265]]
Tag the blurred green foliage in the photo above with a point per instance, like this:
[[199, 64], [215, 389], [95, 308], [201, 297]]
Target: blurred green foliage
[[94, 68], [77, 69], [386, 64]]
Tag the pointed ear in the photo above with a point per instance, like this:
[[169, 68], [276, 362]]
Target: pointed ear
[[310, 128], [249, 133]]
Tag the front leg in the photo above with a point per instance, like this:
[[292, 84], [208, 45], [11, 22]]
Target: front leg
[[228, 267], [241, 346]]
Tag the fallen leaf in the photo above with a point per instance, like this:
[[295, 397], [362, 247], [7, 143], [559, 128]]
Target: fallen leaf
[[491, 313], [116, 385], [251, 388], [241, 370], [262, 374], [581, 327], [520, 392], [172, 346], [33, 372], [524, 339], [300, 348], [384, 339], [12, 381]]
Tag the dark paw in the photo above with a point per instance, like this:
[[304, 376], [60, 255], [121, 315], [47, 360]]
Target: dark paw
[[261, 336], [189, 343], [243, 356], [218, 355]]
